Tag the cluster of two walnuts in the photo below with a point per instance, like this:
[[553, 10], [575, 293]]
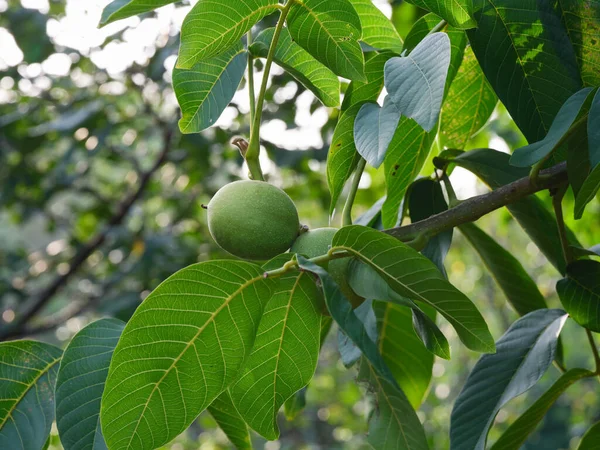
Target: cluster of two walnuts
[[257, 221]]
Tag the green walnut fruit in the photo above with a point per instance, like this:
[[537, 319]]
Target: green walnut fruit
[[253, 220], [317, 242]]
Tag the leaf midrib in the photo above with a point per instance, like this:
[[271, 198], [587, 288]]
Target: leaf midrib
[[43, 372], [192, 341]]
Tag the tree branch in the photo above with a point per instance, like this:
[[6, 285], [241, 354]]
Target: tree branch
[[476, 207], [84, 252]]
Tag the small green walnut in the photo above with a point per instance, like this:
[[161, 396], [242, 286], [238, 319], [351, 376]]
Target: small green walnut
[[253, 220], [317, 242]]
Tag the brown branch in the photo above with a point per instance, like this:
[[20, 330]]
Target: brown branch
[[84, 252], [476, 207]]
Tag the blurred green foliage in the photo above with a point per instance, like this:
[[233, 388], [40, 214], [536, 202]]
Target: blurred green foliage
[[73, 147]]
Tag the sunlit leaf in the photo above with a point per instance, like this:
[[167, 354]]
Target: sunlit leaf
[[230, 421], [80, 384], [285, 353], [512, 41], [330, 32], [182, 348], [205, 90], [564, 120], [518, 432], [301, 65], [579, 293], [395, 424], [364, 91], [377, 30], [415, 82], [418, 280], [468, 105], [214, 26], [28, 372], [458, 13], [522, 356], [121, 9]]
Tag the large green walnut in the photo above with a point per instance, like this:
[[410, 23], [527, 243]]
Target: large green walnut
[[253, 220], [317, 242]]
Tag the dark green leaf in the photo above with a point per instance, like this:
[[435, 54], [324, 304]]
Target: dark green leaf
[[285, 353], [301, 65], [581, 20], [205, 90], [564, 120], [374, 129], [212, 27], [468, 105], [579, 293], [28, 372], [494, 170], [587, 192], [230, 421], [395, 424], [377, 30], [578, 162], [330, 32], [520, 290], [458, 13], [341, 311], [522, 356], [512, 41], [404, 160], [349, 352], [419, 280], [591, 439], [80, 384], [204, 320], [516, 435], [416, 82], [121, 9], [406, 356], [593, 130]]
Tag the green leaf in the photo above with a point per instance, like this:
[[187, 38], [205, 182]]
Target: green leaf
[[579, 293], [416, 82], [204, 320], [330, 32], [593, 130], [214, 26], [285, 353], [587, 192], [581, 20], [28, 372], [420, 29], [377, 30], [365, 91], [374, 129], [366, 282], [493, 168], [300, 64], [562, 123], [522, 356], [406, 356], [341, 311], [350, 353], [518, 287], [458, 13], [80, 384], [296, 403], [578, 161], [395, 424], [419, 280], [230, 421], [122, 9], [516, 435], [511, 56], [591, 439], [469, 104], [205, 90], [404, 160]]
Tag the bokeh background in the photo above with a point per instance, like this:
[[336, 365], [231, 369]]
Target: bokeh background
[[100, 200]]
